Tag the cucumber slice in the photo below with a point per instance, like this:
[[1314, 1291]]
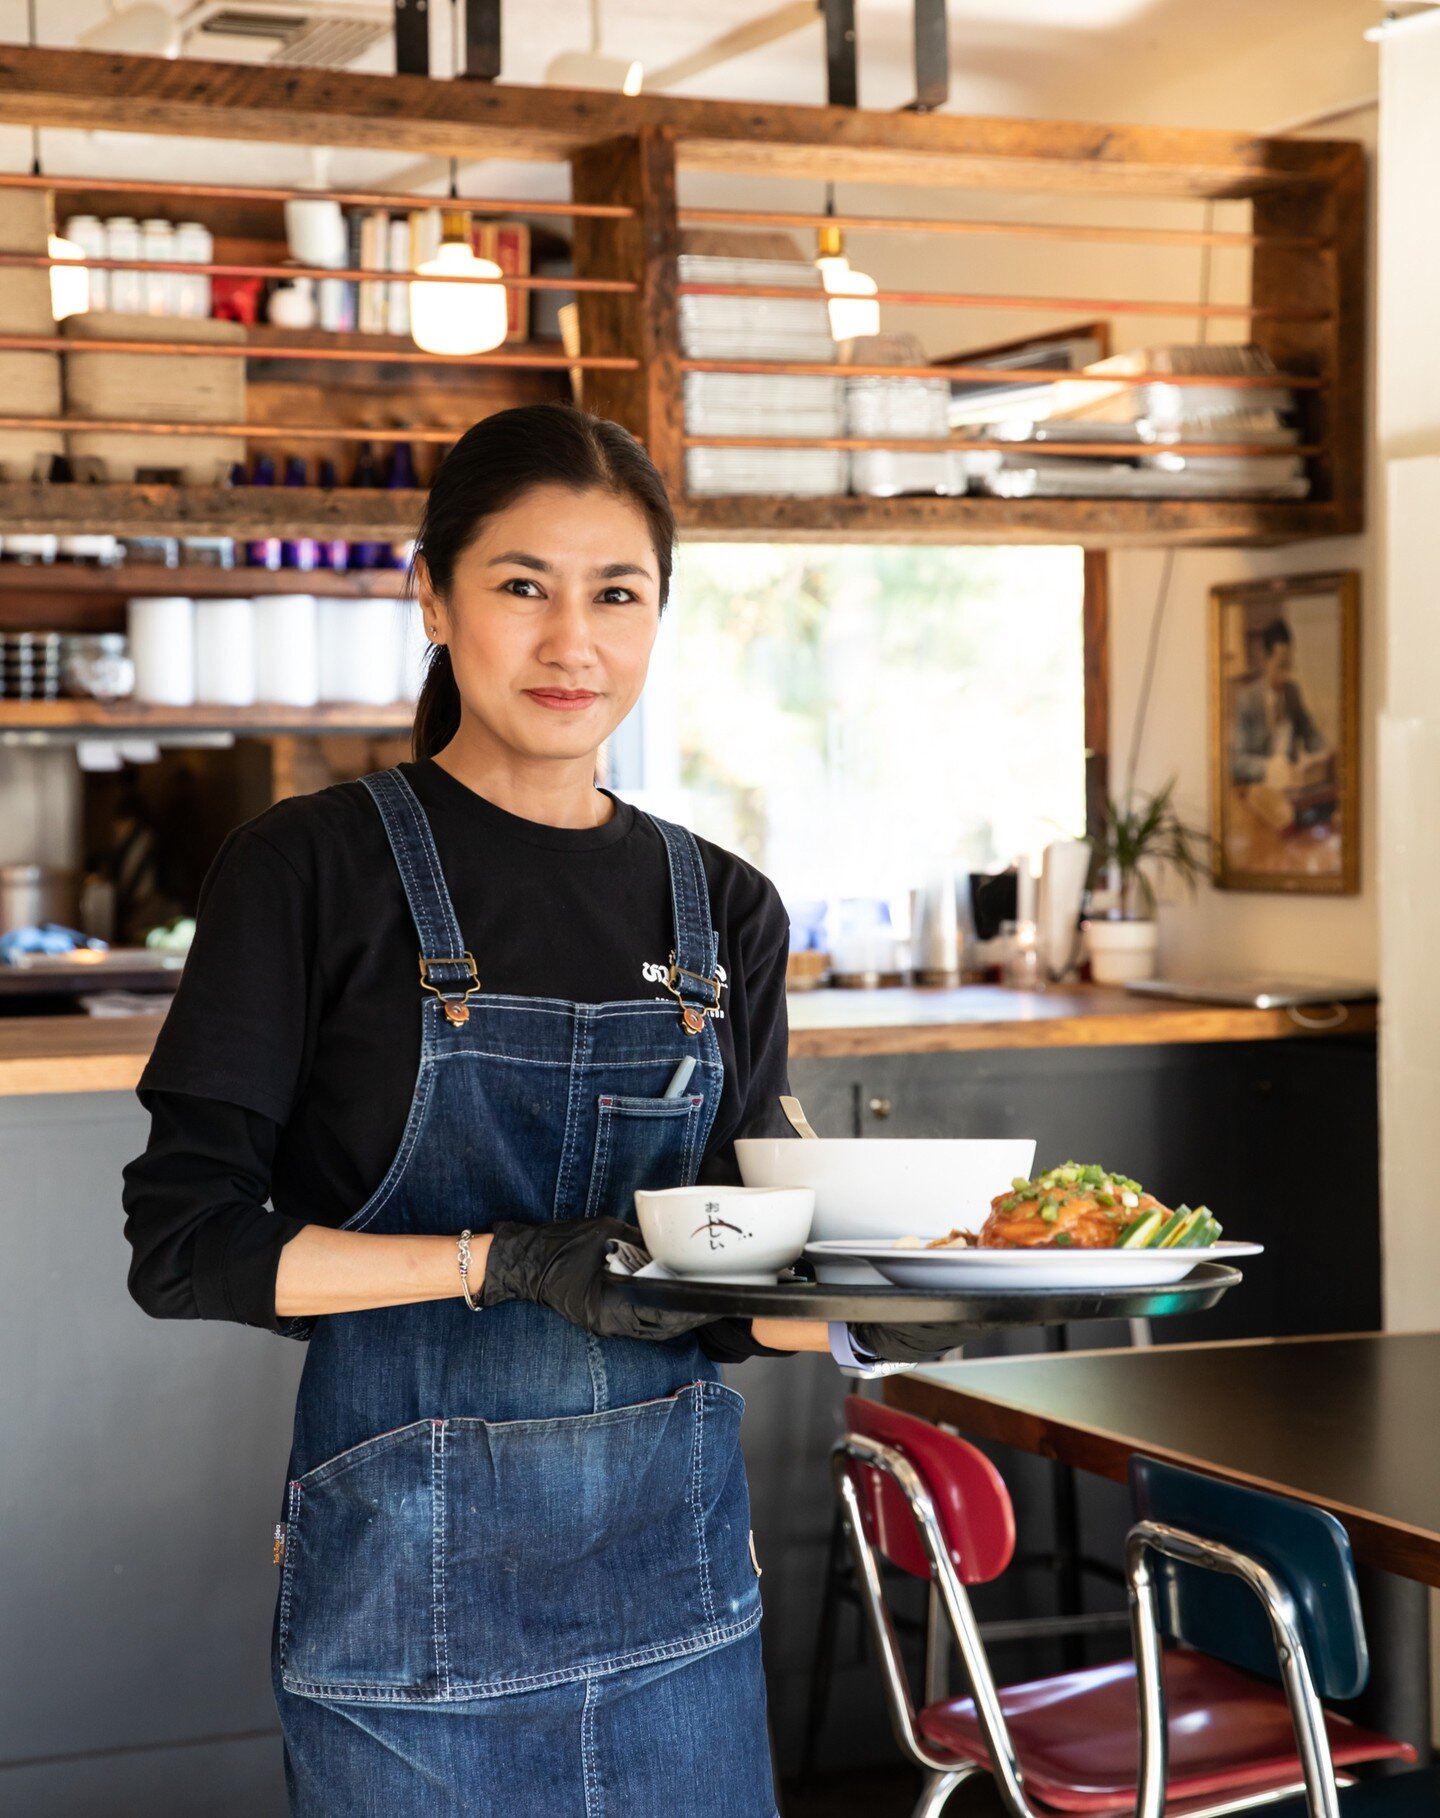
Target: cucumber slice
[[1181, 1234], [1141, 1234]]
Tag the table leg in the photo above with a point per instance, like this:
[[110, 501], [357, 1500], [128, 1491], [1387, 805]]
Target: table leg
[[1397, 1625]]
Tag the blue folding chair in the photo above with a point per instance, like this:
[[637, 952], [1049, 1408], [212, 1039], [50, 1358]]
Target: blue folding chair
[[1266, 1584]]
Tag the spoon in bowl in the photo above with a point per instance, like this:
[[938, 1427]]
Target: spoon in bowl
[[796, 1115]]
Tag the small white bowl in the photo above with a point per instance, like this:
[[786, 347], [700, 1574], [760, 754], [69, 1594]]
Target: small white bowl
[[887, 1187], [726, 1233]]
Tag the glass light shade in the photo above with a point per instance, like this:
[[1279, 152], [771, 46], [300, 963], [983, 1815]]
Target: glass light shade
[[69, 290], [852, 310], [457, 318]]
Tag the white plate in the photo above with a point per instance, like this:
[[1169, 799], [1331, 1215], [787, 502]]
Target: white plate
[[909, 1268]]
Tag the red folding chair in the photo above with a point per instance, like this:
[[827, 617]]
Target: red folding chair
[[935, 1507]]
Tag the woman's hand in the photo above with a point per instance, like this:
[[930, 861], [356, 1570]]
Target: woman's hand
[[911, 1344], [561, 1265]]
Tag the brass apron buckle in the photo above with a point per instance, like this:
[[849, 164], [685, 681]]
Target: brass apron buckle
[[691, 1015], [456, 1011]]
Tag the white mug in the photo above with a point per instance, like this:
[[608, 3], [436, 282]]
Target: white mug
[[315, 230]]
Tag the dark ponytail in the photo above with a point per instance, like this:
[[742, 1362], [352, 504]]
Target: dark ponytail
[[492, 464]]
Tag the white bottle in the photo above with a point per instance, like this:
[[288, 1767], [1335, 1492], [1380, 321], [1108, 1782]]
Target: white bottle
[[194, 244], [127, 289], [162, 646], [225, 652], [287, 653], [88, 233], [360, 651], [157, 242]]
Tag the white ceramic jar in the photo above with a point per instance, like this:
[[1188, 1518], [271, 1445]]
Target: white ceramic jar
[[287, 649], [225, 652], [162, 647]]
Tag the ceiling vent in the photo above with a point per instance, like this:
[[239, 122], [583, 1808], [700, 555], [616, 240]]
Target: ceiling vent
[[326, 36]]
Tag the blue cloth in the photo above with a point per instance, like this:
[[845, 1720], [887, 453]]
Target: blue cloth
[[516, 1566], [47, 937]]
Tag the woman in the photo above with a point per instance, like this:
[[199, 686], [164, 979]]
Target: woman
[[515, 1564]]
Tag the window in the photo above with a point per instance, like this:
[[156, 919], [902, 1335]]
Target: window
[[852, 717]]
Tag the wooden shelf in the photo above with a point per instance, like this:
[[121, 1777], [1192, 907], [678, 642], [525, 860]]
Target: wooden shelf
[[252, 722], [394, 516], [1092, 523], [354, 513], [1304, 304], [196, 581]]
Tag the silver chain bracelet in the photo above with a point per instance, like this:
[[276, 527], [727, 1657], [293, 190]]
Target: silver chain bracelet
[[464, 1259]]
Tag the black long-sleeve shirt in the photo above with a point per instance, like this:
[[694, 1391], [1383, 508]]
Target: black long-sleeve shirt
[[284, 1069]]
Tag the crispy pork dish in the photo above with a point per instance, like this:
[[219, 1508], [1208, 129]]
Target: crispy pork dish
[[1087, 1207]]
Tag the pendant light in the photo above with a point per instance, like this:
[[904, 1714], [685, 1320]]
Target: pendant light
[[457, 318], [853, 310]]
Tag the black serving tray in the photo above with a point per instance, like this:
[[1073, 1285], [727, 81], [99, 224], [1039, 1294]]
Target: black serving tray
[[983, 1309]]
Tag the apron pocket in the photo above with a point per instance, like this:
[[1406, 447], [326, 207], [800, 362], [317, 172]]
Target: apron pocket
[[468, 1558], [357, 1598], [641, 1144]]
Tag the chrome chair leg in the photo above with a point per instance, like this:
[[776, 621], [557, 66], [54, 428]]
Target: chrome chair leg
[[938, 1789]]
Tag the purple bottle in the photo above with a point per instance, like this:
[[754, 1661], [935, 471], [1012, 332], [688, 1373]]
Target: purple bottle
[[400, 477], [334, 551], [298, 552], [264, 552], [367, 474]]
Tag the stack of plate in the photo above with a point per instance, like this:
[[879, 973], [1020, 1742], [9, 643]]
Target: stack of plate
[[723, 404], [902, 407]]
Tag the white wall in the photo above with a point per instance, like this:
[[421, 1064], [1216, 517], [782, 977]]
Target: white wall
[[1409, 433]]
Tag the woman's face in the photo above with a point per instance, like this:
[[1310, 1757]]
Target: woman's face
[[550, 619]]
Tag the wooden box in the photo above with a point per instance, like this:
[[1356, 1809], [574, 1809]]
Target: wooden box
[[173, 388]]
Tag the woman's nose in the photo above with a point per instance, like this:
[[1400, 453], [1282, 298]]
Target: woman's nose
[[568, 637]]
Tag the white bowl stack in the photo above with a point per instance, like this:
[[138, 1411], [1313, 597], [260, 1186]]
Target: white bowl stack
[[760, 404]]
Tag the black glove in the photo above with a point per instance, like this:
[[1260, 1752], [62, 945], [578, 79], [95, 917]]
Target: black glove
[[562, 1266], [911, 1344]]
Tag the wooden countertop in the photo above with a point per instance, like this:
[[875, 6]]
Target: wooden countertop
[[905, 1021], [106, 1054]]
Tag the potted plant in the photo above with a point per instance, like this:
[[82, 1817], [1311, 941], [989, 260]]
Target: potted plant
[[1140, 835]]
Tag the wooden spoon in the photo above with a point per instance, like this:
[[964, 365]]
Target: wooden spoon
[[798, 1120]]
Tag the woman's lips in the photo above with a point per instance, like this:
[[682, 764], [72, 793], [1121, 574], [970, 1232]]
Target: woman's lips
[[562, 700]]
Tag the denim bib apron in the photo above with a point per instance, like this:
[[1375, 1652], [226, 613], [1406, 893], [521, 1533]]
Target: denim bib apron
[[516, 1571]]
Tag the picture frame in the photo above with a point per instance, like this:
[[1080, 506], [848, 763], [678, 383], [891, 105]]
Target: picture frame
[[1284, 733]]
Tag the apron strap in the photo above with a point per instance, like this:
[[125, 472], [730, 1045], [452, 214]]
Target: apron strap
[[693, 980], [445, 966]]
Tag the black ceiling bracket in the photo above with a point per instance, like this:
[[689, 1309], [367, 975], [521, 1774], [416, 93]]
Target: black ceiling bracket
[[482, 40], [412, 37], [932, 57], [841, 84]]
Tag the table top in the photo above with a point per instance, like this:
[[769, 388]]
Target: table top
[[1346, 1422]]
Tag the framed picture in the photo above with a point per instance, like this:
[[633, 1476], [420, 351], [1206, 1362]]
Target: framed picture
[[1284, 733]]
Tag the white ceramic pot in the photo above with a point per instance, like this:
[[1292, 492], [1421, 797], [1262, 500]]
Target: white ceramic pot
[[726, 1233], [1121, 950]]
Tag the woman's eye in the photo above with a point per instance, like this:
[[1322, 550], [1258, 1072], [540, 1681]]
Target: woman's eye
[[518, 582], [617, 596]]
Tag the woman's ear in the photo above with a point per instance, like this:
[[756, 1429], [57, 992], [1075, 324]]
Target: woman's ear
[[432, 606]]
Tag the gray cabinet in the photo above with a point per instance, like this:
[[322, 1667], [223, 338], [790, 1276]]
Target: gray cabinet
[[144, 1464]]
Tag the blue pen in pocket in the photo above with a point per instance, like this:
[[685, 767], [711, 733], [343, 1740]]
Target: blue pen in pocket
[[680, 1078]]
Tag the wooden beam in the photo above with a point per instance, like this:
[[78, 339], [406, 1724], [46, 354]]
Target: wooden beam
[[188, 97], [1334, 282], [644, 325]]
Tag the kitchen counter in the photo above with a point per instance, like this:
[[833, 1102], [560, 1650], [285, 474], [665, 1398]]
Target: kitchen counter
[[100, 1054], [911, 1021]]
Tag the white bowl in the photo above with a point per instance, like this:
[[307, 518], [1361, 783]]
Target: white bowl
[[726, 1233], [887, 1187]]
